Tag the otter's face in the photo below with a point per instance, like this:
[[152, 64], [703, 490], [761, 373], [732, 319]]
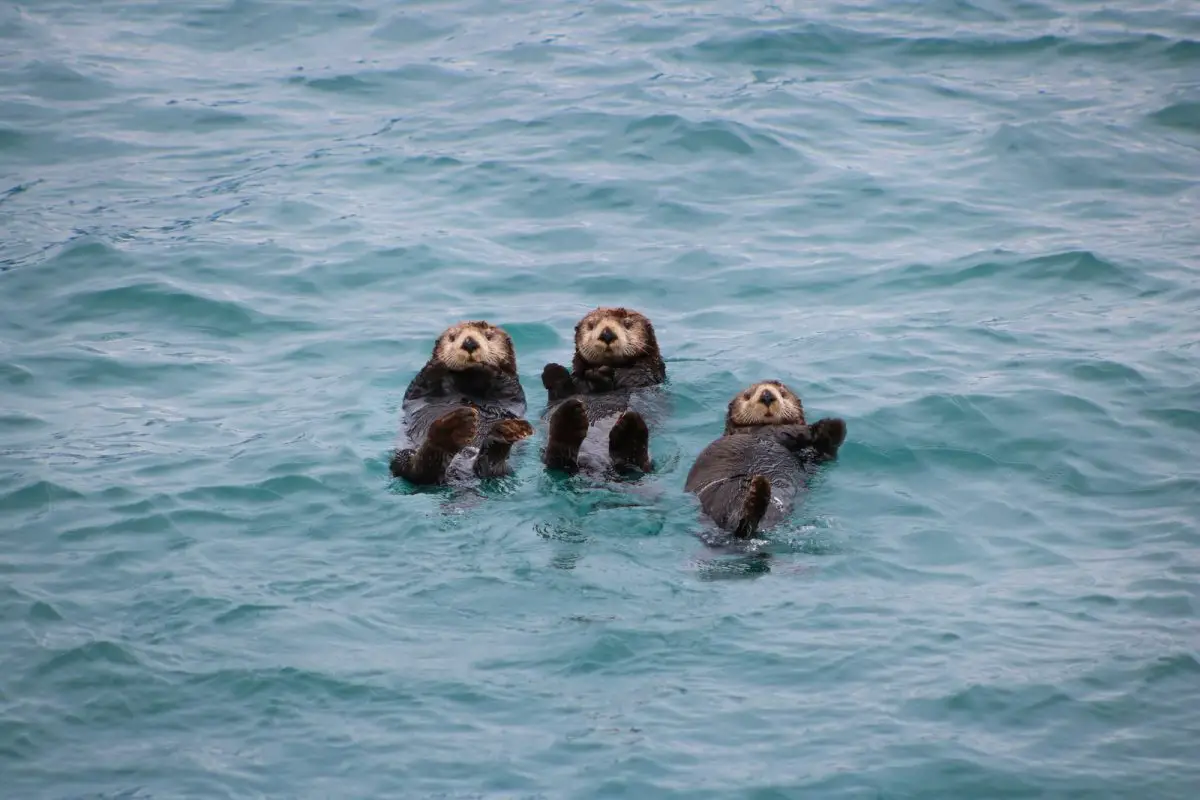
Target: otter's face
[[612, 336], [765, 403], [474, 344]]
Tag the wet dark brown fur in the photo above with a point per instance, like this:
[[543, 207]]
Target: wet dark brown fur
[[454, 403], [616, 353], [749, 477]]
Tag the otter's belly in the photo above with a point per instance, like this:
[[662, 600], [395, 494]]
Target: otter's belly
[[721, 475], [419, 415], [603, 411]]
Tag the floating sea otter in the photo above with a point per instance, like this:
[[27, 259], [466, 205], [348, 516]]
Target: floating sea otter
[[465, 401], [616, 355], [749, 477]]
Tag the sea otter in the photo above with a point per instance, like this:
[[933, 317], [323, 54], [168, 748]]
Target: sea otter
[[750, 476], [616, 355], [466, 399]]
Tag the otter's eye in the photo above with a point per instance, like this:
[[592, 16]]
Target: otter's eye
[[628, 323], [591, 326], [490, 336], [746, 396]]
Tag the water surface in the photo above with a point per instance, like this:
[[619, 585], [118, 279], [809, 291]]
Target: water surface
[[232, 229]]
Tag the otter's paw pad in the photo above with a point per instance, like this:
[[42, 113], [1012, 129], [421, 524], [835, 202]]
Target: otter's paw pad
[[455, 430], [629, 442], [511, 430], [569, 424]]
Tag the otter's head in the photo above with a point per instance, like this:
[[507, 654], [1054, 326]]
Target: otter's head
[[764, 403], [614, 336], [475, 344]]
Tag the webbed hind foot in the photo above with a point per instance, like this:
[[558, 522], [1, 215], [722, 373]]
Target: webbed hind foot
[[629, 443], [493, 453], [754, 506], [454, 430], [568, 429], [447, 436]]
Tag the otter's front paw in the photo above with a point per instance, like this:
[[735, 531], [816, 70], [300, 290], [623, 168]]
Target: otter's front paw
[[601, 379], [455, 430], [511, 430], [794, 437], [557, 381], [828, 434]]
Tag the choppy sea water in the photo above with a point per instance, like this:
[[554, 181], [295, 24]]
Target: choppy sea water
[[230, 230]]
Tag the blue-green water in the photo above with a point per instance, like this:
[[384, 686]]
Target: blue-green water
[[230, 231]]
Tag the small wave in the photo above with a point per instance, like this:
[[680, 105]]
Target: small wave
[[41, 611], [1186, 51], [1185, 419], [424, 80], [995, 706], [1185, 116], [1079, 266], [1073, 266], [178, 118], [54, 80], [13, 139], [244, 612], [301, 684], [144, 523], [14, 374], [37, 495], [825, 45], [408, 28], [271, 490], [670, 136], [183, 307], [88, 655], [807, 45], [351, 84], [563, 239]]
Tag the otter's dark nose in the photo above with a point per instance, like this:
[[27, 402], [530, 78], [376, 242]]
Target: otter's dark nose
[[766, 398], [607, 336], [470, 345]]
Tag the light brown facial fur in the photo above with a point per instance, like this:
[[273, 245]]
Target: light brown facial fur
[[474, 344], [764, 403], [612, 336]]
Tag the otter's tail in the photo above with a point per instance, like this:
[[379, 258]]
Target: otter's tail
[[754, 506]]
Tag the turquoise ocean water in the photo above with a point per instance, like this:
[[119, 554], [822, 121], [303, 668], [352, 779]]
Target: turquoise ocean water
[[229, 232]]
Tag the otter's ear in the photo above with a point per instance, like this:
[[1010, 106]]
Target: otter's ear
[[651, 338], [729, 426], [510, 362]]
